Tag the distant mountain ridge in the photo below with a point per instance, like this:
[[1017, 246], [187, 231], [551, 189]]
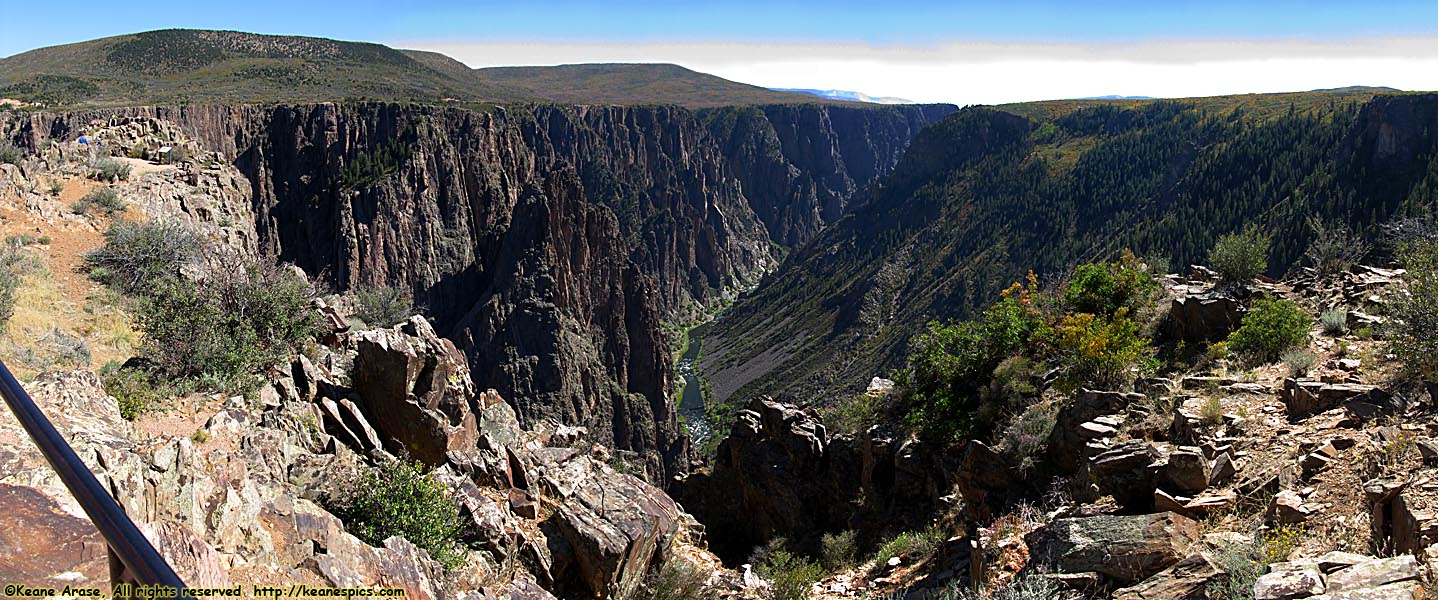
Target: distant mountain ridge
[[624, 83], [847, 95], [189, 66]]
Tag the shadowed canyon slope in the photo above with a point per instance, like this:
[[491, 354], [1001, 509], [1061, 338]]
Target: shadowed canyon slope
[[550, 243], [986, 195]]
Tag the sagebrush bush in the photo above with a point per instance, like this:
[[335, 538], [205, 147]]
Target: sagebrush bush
[[1094, 351], [398, 498], [226, 325], [1239, 257], [1334, 321], [1028, 587], [15, 262], [103, 200], [1239, 568], [136, 255], [840, 550], [1026, 438], [1413, 312], [1210, 411], [1103, 288], [1270, 327], [674, 579], [1299, 360], [382, 306], [110, 169]]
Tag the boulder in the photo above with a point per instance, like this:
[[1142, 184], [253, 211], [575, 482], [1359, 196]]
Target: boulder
[[984, 479], [1203, 317], [416, 389], [1288, 508], [1125, 549], [1374, 573], [1127, 472], [780, 473], [1304, 397], [613, 524], [1187, 579], [1069, 437], [1186, 472], [1407, 590], [1289, 580]]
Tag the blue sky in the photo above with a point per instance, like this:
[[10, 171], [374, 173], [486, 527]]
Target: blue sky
[[779, 42], [30, 24]]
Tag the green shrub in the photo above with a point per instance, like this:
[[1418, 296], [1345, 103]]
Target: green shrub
[[791, 576], [1270, 327], [853, 414], [55, 187], [1334, 321], [228, 324], [1094, 351], [1239, 257], [1103, 288], [1299, 360], [398, 498], [110, 169], [952, 363], [840, 550], [917, 545], [136, 255], [132, 388], [102, 200], [1413, 313], [9, 154], [382, 306]]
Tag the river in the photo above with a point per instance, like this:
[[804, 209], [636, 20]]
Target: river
[[691, 398]]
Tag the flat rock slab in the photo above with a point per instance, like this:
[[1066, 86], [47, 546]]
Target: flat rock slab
[[1124, 549], [39, 542]]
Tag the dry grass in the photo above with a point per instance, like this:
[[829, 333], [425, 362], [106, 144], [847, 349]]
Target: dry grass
[[57, 297]]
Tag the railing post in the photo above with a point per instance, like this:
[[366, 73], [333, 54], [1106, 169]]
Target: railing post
[[137, 560]]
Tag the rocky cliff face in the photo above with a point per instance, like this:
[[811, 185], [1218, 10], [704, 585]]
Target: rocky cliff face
[[549, 243], [800, 164]]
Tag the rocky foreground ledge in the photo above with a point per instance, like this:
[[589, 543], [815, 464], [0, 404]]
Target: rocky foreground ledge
[[238, 503]]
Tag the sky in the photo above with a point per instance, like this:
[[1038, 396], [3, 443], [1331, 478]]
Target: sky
[[955, 51]]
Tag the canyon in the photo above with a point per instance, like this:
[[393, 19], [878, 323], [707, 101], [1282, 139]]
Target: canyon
[[552, 244]]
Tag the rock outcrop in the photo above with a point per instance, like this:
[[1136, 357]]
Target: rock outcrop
[[780, 473], [240, 503]]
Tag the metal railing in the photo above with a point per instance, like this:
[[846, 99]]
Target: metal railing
[[142, 564]]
